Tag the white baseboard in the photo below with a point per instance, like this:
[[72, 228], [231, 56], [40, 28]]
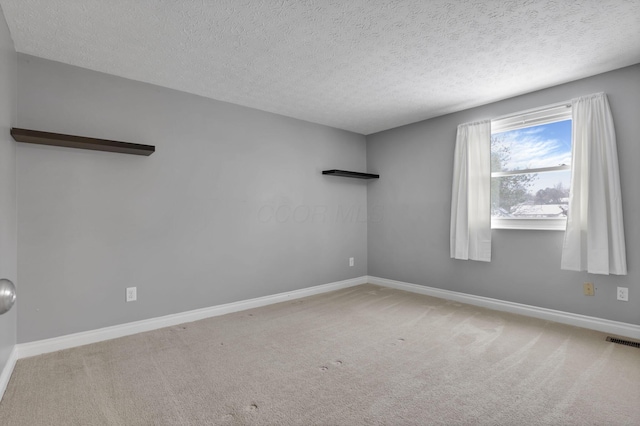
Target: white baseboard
[[5, 375], [592, 323], [84, 338], [24, 350]]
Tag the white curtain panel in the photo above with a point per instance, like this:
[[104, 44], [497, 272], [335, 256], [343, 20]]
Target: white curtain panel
[[471, 193], [594, 239]]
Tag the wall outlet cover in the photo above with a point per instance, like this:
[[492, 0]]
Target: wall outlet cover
[[132, 294], [623, 294], [588, 289]]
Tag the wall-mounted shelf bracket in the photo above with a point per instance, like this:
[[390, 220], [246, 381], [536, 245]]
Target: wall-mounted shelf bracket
[[345, 173], [69, 141]]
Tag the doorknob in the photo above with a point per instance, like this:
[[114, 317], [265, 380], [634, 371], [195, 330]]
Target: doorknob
[[7, 295]]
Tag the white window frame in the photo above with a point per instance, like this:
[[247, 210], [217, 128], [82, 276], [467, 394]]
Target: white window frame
[[534, 117]]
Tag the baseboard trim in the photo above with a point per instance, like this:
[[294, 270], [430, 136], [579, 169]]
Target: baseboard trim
[[93, 336], [584, 321], [5, 376], [39, 347]]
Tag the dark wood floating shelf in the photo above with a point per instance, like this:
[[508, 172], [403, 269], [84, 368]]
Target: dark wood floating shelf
[[56, 139], [345, 173]]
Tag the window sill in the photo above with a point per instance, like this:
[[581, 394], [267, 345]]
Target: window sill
[[551, 224]]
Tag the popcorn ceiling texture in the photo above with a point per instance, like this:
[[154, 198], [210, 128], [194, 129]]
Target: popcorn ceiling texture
[[360, 65]]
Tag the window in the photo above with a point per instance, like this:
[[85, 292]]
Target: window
[[531, 169]]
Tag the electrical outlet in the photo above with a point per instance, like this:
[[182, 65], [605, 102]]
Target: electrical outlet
[[351, 262], [132, 294], [623, 294], [588, 289]]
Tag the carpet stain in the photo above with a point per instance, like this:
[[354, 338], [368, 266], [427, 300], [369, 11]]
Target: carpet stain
[[398, 342]]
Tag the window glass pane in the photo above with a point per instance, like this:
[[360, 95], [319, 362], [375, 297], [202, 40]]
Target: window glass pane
[[546, 145], [531, 195]]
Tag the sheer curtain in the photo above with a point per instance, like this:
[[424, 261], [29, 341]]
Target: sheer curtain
[[471, 194], [594, 239]]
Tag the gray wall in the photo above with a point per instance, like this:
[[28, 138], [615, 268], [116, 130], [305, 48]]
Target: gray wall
[[8, 250], [231, 206], [410, 241]]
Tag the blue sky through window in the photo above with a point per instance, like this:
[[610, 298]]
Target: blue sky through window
[[546, 145]]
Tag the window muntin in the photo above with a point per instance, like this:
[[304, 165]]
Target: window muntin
[[531, 170]]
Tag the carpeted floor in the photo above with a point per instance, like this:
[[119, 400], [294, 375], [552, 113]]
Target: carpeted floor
[[361, 356]]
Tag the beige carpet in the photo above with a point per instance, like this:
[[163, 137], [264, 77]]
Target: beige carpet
[[360, 356]]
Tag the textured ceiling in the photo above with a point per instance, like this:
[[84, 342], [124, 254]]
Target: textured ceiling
[[360, 65]]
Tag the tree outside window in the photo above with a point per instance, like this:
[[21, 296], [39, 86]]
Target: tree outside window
[[531, 172]]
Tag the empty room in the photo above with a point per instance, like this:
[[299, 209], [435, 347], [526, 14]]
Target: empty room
[[392, 212]]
